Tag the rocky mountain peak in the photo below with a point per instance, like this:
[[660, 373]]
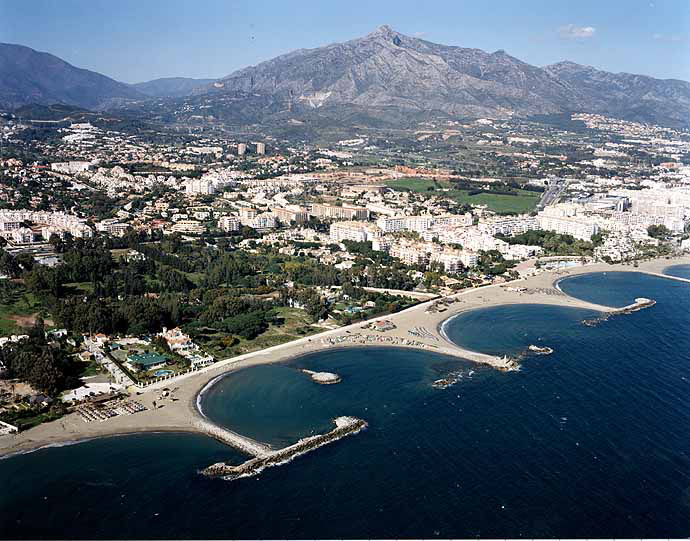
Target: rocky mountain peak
[[386, 33]]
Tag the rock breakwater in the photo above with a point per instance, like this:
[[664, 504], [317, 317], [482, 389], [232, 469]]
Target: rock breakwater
[[344, 426]]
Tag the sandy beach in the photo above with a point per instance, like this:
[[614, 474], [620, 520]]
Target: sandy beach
[[182, 414]]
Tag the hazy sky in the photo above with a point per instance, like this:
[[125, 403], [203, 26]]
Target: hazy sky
[[138, 40]]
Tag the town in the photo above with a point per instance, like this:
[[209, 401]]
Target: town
[[130, 259]]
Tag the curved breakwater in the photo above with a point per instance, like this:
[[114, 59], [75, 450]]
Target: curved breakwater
[[345, 426], [639, 304]]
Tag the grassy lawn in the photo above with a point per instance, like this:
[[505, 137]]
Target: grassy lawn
[[524, 201], [75, 288], [290, 324], [415, 184], [119, 253], [90, 368], [19, 304], [194, 277]]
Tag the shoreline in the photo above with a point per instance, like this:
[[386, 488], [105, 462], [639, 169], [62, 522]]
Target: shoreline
[[78, 441], [181, 416]]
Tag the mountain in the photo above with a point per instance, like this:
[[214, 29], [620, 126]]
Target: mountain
[[388, 70], [385, 79], [171, 87], [638, 97], [29, 76]]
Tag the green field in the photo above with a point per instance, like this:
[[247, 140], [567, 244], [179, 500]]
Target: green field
[[17, 304], [523, 200], [416, 184], [80, 287], [290, 324]]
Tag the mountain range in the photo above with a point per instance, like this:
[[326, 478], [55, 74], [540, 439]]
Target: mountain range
[[171, 87], [28, 76], [385, 74]]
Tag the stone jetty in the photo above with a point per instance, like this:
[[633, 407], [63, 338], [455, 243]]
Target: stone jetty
[[344, 426], [639, 304], [233, 439], [323, 378]]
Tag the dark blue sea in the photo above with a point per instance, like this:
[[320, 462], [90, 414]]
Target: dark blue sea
[[591, 441]]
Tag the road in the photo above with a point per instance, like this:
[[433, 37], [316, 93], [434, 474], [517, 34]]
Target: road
[[552, 193]]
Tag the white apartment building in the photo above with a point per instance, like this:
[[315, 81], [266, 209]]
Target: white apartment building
[[70, 168], [381, 244], [334, 212], [355, 231], [291, 214], [382, 209], [248, 213], [112, 227], [454, 220], [454, 260], [475, 241], [23, 235], [564, 220], [198, 186], [79, 231], [188, 226], [265, 220], [229, 223], [10, 224], [411, 254], [50, 223], [509, 225], [577, 228], [393, 224]]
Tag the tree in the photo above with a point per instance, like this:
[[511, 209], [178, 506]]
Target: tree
[[660, 232]]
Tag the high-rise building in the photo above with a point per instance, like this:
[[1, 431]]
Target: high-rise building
[[241, 149], [261, 148]]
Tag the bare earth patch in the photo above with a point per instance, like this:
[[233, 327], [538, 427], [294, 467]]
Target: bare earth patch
[[28, 321]]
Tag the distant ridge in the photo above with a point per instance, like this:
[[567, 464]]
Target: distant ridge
[[171, 87], [28, 76]]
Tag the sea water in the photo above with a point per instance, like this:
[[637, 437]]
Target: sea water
[[591, 441]]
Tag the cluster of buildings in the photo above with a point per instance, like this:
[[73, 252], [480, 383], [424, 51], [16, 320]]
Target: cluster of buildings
[[28, 226], [183, 345], [451, 240]]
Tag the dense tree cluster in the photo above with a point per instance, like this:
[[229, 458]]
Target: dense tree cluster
[[39, 363], [658, 231], [554, 243]]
